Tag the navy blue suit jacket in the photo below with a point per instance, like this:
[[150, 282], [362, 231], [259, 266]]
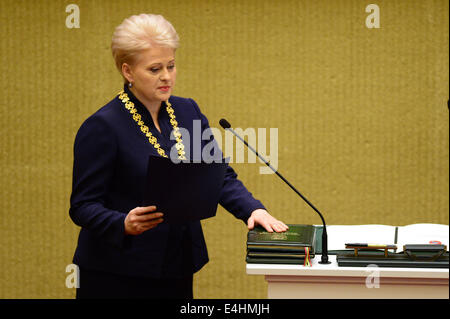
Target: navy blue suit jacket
[[110, 165]]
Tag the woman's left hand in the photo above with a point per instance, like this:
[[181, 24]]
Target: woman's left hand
[[263, 218]]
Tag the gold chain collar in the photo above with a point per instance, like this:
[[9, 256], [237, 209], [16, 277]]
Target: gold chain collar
[[144, 128]]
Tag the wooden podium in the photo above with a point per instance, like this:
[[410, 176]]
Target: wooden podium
[[334, 282]]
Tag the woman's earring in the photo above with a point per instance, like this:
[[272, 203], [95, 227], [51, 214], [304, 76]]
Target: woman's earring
[[130, 85]]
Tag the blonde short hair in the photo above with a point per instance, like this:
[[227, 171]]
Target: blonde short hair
[[141, 32]]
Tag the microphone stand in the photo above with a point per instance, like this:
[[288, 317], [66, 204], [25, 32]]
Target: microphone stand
[[324, 260]]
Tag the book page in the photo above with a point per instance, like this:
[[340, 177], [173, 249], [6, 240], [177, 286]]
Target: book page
[[422, 234], [339, 235]]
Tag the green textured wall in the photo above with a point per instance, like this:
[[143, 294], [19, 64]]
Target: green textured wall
[[361, 116]]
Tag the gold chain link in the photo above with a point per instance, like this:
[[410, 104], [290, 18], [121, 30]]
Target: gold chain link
[[144, 128]]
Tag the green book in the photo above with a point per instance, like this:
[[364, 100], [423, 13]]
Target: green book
[[295, 239], [252, 260], [268, 254], [269, 249]]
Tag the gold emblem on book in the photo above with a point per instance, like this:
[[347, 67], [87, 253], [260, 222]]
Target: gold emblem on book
[[279, 236]]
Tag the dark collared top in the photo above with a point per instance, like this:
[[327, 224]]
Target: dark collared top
[[109, 172]]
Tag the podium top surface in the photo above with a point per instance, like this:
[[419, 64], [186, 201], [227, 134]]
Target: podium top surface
[[333, 269]]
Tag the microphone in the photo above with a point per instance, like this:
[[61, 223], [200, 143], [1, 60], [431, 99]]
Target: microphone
[[227, 126]]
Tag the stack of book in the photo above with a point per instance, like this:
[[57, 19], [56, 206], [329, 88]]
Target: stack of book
[[295, 246]]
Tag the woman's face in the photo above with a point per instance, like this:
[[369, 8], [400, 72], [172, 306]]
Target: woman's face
[[153, 74]]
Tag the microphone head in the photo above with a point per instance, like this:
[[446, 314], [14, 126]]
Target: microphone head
[[224, 123]]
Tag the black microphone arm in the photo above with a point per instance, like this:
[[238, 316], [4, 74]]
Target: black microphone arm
[[227, 126]]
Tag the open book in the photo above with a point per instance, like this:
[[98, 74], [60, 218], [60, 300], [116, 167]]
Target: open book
[[339, 235]]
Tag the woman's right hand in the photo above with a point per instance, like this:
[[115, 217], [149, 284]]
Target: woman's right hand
[[140, 219]]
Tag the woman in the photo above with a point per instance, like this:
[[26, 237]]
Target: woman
[[123, 251]]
